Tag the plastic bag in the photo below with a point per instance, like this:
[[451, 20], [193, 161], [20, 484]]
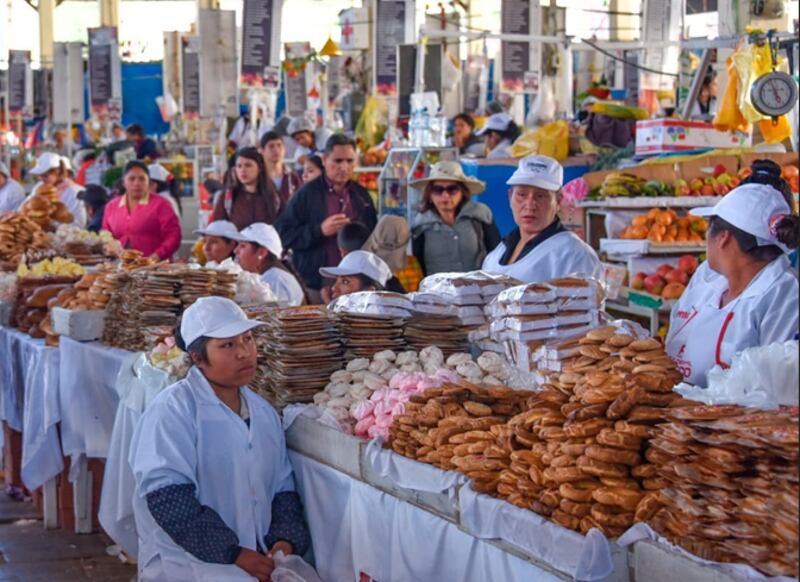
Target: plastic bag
[[292, 569], [543, 109], [550, 140], [373, 121], [728, 117], [760, 377]]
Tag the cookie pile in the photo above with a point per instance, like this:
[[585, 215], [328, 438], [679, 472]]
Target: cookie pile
[[17, 234], [299, 348], [92, 292], [371, 322], [459, 427], [731, 492]]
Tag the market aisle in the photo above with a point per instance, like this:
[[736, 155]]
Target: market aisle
[[29, 553]]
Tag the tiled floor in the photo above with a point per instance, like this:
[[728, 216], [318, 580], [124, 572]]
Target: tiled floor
[[29, 553]]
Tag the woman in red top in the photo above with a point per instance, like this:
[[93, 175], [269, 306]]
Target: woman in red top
[[142, 221], [253, 197]]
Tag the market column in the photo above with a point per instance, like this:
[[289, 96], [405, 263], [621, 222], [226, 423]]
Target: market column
[[109, 13], [208, 4], [47, 10]]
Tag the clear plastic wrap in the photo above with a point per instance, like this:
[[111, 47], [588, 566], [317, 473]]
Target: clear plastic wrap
[[373, 303], [759, 377], [251, 289], [431, 304]]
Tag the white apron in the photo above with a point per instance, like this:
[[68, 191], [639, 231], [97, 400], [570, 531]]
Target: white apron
[[187, 435], [703, 335], [560, 255]]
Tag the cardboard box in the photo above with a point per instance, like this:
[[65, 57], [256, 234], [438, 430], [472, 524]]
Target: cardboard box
[[704, 167], [656, 136]]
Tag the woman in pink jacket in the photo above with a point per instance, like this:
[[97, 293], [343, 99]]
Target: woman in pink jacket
[[142, 221]]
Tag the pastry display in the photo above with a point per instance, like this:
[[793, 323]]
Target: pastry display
[[371, 322], [19, 233]]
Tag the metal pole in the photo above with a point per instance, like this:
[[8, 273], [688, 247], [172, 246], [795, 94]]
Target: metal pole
[[65, 47]]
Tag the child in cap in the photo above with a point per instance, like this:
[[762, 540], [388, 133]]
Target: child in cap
[[219, 240], [358, 271]]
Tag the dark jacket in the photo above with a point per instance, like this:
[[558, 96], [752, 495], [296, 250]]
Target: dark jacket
[[301, 221], [441, 248]]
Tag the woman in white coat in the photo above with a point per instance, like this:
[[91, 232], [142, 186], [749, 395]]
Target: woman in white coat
[[746, 293], [500, 133], [540, 248], [215, 495], [52, 171]]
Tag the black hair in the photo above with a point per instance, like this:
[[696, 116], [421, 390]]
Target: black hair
[[268, 137], [466, 118], [369, 282], [352, 237], [135, 129], [133, 164], [511, 133], [768, 173], [174, 189], [339, 139], [265, 187], [317, 161], [198, 348]]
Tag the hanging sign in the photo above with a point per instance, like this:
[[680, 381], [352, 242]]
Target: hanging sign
[[354, 23], [68, 83], [515, 55], [471, 82], [297, 77], [393, 19], [20, 83], [190, 76], [334, 77], [219, 74], [104, 69], [261, 36]]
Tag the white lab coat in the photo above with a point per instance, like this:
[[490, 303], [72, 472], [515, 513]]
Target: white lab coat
[[285, 286], [11, 196], [69, 196], [560, 255], [188, 435], [172, 202], [501, 152], [702, 334]]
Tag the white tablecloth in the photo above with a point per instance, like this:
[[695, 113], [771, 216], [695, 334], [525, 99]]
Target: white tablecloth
[[357, 528], [88, 376], [29, 376]]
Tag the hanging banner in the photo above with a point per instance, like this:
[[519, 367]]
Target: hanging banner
[[42, 90], [20, 83], [261, 37], [516, 56], [407, 60], [190, 77], [660, 22], [334, 77], [219, 74], [393, 19], [68, 83], [471, 82], [354, 23], [171, 65], [105, 83], [296, 77]]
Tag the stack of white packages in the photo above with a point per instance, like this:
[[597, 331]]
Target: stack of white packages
[[533, 321]]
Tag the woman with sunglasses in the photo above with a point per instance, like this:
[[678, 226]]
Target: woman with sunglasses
[[540, 248], [452, 233]]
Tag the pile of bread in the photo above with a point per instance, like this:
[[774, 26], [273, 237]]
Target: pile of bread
[[731, 491], [19, 233], [46, 209], [92, 292]]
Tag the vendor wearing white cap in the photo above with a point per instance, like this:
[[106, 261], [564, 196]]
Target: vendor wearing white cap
[[52, 171], [540, 248], [219, 240], [163, 183], [301, 130], [746, 293], [500, 131], [11, 193], [260, 251], [358, 271], [215, 494]]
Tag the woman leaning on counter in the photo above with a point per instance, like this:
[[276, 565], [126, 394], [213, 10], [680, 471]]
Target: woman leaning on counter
[[746, 293], [540, 248]]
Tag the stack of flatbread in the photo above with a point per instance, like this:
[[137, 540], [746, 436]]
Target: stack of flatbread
[[435, 322], [371, 322]]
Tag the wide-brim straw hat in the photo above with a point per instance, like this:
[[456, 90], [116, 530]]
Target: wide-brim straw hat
[[450, 171]]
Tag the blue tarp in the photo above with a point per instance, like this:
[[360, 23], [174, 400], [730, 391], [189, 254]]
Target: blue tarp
[[141, 84]]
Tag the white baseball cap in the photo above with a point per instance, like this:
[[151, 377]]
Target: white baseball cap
[[66, 162], [753, 208], [360, 263], [46, 162], [538, 171], [496, 122], [264, 235], [299, 124], [158, 172], [214, 317], [222, 228]]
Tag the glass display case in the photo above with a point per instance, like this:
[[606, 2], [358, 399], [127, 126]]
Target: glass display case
[[404, 165]]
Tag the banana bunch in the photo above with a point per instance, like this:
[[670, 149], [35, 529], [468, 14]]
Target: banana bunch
[[618, 184]]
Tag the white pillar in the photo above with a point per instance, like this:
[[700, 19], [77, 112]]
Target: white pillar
[[109, 13], [47, 10]]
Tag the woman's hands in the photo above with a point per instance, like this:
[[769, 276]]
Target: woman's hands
[[256, 564]]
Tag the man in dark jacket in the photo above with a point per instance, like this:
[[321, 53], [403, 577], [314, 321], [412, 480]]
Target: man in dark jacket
[[320, 209]]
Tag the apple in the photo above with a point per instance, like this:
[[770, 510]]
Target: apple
[[696, 184], [734, 183], [673, 291], [724, 178], [719, 169], [710, 181], [663, 270], [654, 284], [720, 189], [688, 264], [638, 281], [677, 276]]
